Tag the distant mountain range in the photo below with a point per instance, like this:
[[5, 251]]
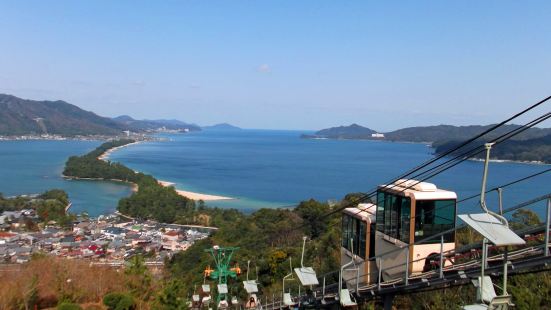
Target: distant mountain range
[[428, 134], [150, 125], [22, 117], [222, 126], [534, 144]]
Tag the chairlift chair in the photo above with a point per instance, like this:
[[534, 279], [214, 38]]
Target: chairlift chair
[[495, 229], [287, 298], [251, 286], [345, 297], [488, 297], [306, 275]]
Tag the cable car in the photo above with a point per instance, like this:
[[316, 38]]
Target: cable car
[[407, 211], [358, 240]]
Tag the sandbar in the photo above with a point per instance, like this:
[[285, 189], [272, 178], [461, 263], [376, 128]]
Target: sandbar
[[194, 195]]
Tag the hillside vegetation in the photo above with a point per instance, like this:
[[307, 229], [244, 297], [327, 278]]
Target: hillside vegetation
[[20, 116], [23, 117], [49, 206], [529, 150], [150, 125], [150, 201], [533, 144]]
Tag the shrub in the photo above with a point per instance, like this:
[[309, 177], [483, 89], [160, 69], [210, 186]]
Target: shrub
[[118, 301], [68, 306]]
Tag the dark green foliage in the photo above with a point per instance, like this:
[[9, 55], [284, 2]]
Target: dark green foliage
[[523, 218], [56, 194], [171, 297], [531, 291], [534, 149], [312, 213], [19, 116], [151, 201], [119, 301], [50, 206], [534, 144], [68, 306], [89, 166], [268, 237], [157, 202], [438, 133], [139, 279]]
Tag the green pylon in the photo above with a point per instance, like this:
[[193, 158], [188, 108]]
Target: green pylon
[[222, 258]]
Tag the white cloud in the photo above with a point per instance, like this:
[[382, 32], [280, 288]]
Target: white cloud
[[138, 83], [264, 68]]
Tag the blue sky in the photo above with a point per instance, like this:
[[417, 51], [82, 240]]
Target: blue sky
[[282, 64]]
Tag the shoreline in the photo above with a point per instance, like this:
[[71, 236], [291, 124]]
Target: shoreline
[[105, 155], [510, 161], [131, 184], [194, 195], [188, 194]]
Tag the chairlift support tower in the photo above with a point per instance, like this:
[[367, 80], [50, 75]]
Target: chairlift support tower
[[222, 257]]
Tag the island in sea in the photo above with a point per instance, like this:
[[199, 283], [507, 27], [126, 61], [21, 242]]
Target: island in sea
[[221, 126], [532, 145]]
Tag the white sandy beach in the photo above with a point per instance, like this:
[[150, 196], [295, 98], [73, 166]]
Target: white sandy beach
[[190, 195], [105, 155], [195, 196]]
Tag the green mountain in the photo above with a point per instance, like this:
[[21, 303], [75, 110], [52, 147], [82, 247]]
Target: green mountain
[[21, 116], [530, 150], [353, 131], [534, 144], [449, 132], [430, 134]]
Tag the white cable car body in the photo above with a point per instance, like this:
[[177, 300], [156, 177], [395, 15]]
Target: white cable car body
[[406, 212]]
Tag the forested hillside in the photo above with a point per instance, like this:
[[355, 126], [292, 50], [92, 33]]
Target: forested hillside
[[530, 150], [20, 116]]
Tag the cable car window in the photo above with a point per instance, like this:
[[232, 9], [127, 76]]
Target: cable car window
[[361, 239], [345, 231], [405, 219], [372, 241], [355, 229], [393, 215], [353, 234], [389, 201], [380, 220], [433, 217]]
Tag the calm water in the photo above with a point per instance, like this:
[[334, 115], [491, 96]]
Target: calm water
[[276, 168], [30, 167]]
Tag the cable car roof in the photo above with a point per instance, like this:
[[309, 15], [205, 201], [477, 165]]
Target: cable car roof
[[418, 190], [364, 211]]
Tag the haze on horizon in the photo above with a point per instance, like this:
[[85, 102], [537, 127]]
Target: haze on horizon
[[284, 64]]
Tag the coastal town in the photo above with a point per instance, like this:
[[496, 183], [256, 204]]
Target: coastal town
[[106, 240]]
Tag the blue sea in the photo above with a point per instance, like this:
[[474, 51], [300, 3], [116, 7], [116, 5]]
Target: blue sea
[[267, 168], [32, 167], [260, 168]]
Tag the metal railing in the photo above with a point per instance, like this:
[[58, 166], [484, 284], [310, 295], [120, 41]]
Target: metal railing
[[442, 269]]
